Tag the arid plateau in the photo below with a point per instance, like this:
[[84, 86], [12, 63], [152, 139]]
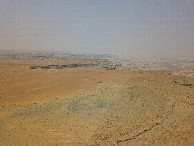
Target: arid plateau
[[93, 105]]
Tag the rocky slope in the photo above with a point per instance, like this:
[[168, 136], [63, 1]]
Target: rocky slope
[[103, 108]]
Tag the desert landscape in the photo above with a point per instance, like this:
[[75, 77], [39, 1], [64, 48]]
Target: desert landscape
[[96, 72], [92, 105]]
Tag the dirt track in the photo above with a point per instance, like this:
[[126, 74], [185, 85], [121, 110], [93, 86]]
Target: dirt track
[[87, 106]]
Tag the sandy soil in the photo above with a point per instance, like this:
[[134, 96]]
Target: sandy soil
[[89, 106]]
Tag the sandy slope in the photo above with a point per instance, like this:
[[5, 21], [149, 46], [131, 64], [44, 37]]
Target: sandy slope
[[87, 106]]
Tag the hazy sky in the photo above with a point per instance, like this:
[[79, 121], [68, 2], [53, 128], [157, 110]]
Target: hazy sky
[[123, 27]]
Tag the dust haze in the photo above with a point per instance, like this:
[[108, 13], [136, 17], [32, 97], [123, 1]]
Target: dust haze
[[96, 72]]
